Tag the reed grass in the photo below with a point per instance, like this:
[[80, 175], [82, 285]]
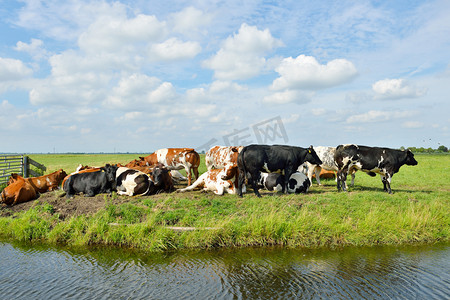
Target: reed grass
[[417, 212]]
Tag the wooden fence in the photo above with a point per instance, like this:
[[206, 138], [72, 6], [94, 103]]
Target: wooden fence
[[18, 163]]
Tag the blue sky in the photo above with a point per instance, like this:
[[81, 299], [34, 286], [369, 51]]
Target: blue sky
[[136, 76]]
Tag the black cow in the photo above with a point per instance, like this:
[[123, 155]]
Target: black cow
[[372, 160], [92, 183], [254, 159]]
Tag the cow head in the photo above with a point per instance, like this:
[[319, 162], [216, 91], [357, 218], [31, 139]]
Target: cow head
[[110, 171], [311, 156], [158, 174], [229, 172], [410, 160], [60, 174]]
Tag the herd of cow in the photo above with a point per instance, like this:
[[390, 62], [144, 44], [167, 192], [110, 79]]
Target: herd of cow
[[287, 169]]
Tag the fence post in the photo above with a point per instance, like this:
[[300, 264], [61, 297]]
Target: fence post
[[26, 166]]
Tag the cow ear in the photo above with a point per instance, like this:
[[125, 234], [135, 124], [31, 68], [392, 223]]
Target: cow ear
[[234, 149]]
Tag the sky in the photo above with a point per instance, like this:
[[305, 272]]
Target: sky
[[137, 76]]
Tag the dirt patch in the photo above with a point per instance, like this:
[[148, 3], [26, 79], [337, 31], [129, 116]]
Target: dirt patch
[[79, 204]]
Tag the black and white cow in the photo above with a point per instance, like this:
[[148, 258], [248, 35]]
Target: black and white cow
[[372, 160], [298, 183], [132, 182], [326, 155], [92, 183], [254, 159]]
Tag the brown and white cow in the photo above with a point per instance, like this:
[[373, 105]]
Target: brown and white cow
[[19, 190], [45, 183], [219, 156], [179, 158], [218, 181]]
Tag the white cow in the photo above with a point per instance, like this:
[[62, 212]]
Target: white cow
[[218, 181]]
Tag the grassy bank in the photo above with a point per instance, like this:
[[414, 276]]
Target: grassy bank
[[417, 212]]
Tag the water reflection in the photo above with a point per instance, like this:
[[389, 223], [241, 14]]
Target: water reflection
[[419, 272]]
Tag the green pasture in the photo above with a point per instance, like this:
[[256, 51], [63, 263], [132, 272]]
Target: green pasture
[[417, 212]]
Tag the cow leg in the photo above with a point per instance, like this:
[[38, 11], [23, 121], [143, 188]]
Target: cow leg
[[254, 179], [386, 179], [341, 178], [195, 170], [317, 171], [241, 180], [311, 169], [353, 179], [189, 175]]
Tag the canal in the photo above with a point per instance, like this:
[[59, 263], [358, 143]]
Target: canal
[[384, 272]]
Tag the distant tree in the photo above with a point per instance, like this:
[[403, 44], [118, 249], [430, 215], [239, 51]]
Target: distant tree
[[402, 148], [442, 148]]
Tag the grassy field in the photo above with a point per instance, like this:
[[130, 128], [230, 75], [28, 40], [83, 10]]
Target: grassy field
[[417, 212]]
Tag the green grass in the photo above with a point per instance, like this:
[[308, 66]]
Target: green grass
[[417, 212]]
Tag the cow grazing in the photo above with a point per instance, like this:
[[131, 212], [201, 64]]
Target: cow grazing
[[45, 183], [254, 159], [219, 156], [372, 160], [179, 158], [92, 183], [218, 181], [19, 190], [298, 183]]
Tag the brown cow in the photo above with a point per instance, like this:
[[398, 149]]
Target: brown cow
[[45, 183], [219, 156], [179, 158], [18, 191]]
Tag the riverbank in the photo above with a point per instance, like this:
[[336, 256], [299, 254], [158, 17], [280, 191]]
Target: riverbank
[[417, 212]]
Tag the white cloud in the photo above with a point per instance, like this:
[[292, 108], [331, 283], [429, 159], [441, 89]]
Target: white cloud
[[190, 20], [116, 34], [137, 91], [412, 124], [34, 48], [396, 89], [242, 55], [13, 69], [305, 72], [174, 49], [288, 96], [379, 116]]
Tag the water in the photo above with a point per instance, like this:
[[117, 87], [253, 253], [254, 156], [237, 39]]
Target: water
[[408, 272]]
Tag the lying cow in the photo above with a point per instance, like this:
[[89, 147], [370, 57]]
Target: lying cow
[[254, 159], [372, 160], [179, 158], [19, 190], [298, 183], [132, 182], [218, 181], [92, 183], [219, 156], [45, 183]]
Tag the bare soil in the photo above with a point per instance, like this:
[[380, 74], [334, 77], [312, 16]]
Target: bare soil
[[79, 204]]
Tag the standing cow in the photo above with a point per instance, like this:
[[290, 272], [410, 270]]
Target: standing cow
[[372, 160], [326, 155], [254, 159], [179, 158], [219, 156]]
